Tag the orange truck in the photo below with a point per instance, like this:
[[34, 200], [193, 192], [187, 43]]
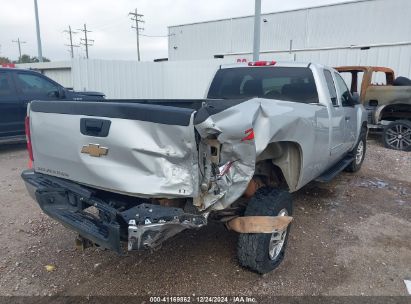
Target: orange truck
[[387, 100]]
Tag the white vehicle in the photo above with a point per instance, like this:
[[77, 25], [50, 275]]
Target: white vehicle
[[153, 168]]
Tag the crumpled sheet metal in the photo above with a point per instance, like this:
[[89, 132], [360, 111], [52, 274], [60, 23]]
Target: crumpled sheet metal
[[152, 235], [271, 121], [144, 159]]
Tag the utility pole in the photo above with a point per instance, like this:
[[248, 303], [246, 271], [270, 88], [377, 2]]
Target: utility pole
[[257, 30], [137, 18], [39, 51], [71, 45], [19, 43], [85, 41]]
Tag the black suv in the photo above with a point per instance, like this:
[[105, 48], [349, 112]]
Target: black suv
[[18, 87]]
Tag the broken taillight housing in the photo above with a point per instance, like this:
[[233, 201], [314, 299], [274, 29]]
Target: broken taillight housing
[[28, 139]]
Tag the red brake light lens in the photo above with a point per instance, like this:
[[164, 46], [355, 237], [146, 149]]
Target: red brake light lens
[[28, 139], [262, 63], [8, 65], [250, 135]]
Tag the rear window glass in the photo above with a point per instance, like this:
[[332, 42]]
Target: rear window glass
[[282, 83]]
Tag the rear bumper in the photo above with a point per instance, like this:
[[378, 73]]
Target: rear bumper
[[143, 225]]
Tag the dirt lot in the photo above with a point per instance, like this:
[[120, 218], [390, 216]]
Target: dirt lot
[[350, 237]]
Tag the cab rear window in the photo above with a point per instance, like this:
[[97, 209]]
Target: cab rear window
[[282, 83]]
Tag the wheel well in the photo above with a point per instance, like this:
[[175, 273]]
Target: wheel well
[[364, 127], [395, 111], [280, 164]]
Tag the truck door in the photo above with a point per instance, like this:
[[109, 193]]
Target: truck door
[[11, 114], [337, 123], [350, 115]]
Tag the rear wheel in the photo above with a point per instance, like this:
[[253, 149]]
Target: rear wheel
[[263, 252], [397, 135]]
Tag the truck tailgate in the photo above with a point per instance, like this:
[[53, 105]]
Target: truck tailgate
[[124, 147]]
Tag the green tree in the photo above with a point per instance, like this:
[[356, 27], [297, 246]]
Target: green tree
[[27, 59], [4, 60], [35, 59]]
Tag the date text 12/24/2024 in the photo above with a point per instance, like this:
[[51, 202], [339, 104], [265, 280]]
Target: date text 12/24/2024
[[203, 299]]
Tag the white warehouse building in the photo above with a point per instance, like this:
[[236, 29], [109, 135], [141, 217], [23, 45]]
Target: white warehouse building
[[364, 32]]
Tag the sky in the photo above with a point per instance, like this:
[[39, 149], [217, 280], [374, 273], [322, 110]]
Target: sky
[[111, 26]]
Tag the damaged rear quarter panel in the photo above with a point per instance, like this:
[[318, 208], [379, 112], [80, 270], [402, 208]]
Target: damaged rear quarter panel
[[305, 125]]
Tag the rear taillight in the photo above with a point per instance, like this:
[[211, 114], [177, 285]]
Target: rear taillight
[[8, 65], [28, 139], [262, 63]]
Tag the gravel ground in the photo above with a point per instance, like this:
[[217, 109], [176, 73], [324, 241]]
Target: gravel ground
[[350, 237]]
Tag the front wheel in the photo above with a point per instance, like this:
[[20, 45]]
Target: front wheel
[[358, 152], [263, 252], [397, 135]]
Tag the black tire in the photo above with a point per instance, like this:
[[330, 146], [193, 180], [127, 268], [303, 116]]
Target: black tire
[[358, 152], [253, 248], [397, 135], [402, 81]]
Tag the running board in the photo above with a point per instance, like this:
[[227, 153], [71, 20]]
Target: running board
[[335, 170]]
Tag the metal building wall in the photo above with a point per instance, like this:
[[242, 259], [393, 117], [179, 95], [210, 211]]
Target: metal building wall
[[190, 79], [131, 79], [357, 23], [397, 57], [117, 79], [62, 76]]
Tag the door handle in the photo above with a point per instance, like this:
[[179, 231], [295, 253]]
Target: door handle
[[347, 118], [94, 127]]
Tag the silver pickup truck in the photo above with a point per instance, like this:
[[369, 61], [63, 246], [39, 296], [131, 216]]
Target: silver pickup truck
[[136, 172]]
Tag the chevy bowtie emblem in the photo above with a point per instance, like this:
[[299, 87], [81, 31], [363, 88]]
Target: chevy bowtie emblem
[[94, 150]]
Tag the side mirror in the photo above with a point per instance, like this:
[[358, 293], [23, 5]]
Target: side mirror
[[62, 93], [53, 94], [59, 93], [350, 100], [355, 98]]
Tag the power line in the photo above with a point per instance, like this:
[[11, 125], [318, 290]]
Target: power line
[[71, 45], [19, 43], [86, 41], [137, 18]]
